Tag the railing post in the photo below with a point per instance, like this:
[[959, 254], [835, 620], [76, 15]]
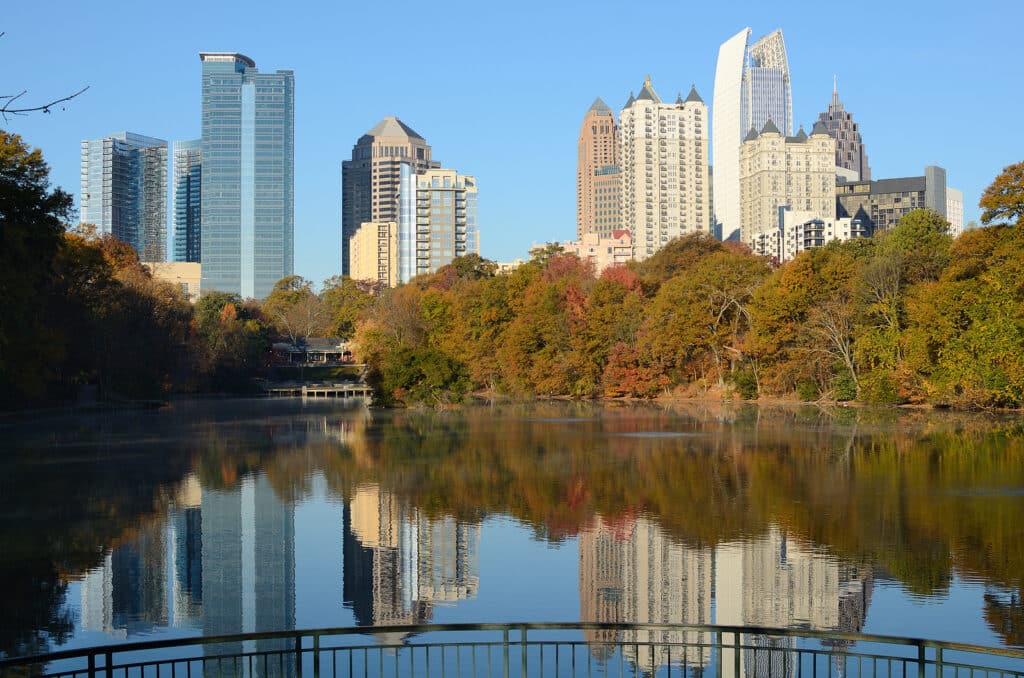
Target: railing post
[[316, 655], [718, 649], [938, 662], [736, 651], [522, 640], [505, 646], [92, 665], [920, 659], [298, 654], [110, 664]]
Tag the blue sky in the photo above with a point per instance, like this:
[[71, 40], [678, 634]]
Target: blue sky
[[499, 89]]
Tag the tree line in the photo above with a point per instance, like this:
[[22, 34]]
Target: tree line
[[907, 316]]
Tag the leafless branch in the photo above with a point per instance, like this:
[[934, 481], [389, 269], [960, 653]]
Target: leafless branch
[[7, 101]]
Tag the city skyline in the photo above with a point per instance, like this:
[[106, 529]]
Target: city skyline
[[335, 102]]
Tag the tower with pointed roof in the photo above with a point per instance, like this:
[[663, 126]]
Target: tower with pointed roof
[[850, 151], [666, 190], [597, 160], [370, 180], [778, 171]]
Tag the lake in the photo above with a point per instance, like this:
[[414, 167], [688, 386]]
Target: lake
[[217, 517]]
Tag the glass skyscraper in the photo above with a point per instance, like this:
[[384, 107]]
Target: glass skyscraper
[[752, 86], [124, 190], [248, 168], [188, 157]]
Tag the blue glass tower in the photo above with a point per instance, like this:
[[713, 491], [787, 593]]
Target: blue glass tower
[[188, 157], [124, 190], [248, 169]]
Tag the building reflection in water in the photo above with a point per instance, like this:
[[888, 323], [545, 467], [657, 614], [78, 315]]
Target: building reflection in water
[[631, 572], [400, 563], [224, 561]]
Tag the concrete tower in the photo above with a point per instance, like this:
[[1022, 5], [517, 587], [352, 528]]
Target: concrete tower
[[597, 195]]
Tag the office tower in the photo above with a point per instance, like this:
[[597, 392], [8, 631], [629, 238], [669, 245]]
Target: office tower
[[248, 167], [850, 151], [597, 185], [370, 180], [187, 190], [751, 87], [124, 191], [955, 211], [881, 204], [664, 161], [437, 219], [373, 251], [783, 171]]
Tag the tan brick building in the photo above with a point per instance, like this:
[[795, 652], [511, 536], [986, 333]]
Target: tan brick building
[[597, 172], [373, 252]]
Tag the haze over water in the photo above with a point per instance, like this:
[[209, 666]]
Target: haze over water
[[235, 516]]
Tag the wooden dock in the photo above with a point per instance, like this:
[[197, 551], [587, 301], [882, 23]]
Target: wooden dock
[[349, 390]]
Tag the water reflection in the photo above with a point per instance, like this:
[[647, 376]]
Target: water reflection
[[190, 520]]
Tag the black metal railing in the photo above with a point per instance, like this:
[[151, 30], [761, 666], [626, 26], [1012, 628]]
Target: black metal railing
[[528, 650]]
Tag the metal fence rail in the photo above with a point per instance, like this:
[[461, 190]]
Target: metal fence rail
[[533, 650]]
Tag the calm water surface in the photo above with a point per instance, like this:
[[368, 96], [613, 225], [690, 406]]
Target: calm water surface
[[228, 517]]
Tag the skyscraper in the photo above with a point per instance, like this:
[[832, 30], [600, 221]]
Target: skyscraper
[[850, 152], [370, 180], [440, 225], [248, 168], [664, 155], [124, 190], [188, 173], [597, 194], [752, 86]]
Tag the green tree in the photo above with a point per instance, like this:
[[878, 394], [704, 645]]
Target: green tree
[[32, 217], [346, 301]]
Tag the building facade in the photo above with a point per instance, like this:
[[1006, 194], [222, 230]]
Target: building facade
[[601, 251], [665, 183], [370, 180], [955, 211], [248, 169], [597, 159], [802, 230], [124, 190], [437, 220], [186, 276], [881, 204], [779, 171], [752, 86], [188, 206], [374, 252]]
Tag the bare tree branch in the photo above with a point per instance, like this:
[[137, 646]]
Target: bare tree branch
[[7, 101]]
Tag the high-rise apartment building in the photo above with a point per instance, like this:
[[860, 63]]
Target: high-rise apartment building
[[850, 152], [597, 172], [370, 180], [752, 86], [187, 191], [124, 191], [803, 230], [437, 219], [373, 252], [664, 155], [881, 204], [783, 171], [248, 175]]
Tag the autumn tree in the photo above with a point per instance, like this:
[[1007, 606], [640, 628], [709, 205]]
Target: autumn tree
[[295, 311], [1003, 200]]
